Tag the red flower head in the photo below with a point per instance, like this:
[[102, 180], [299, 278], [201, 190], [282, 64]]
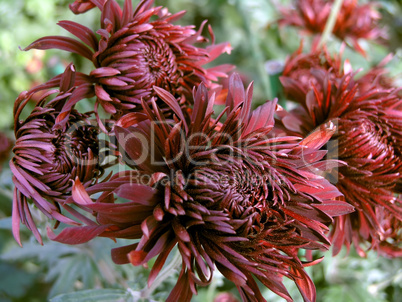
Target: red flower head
[[297, 76], [391, 244], [353, 21], [224, 193], [48, 156], [6, 144], [369, 140], [138, 49]]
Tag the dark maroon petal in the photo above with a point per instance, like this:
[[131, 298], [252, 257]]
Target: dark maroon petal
[[77, 235], [160, 261], [171, 102], [305, 285], [140, 194], [81, 32], [63, 43], [335, 208], [262, 117], [16, 217], [120, 254], [82, 6], [181, 291], [203, 106], [236, 94], [81, 92], [320, 136], [79, 193]]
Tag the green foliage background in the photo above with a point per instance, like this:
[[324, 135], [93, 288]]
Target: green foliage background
[[85, 272]]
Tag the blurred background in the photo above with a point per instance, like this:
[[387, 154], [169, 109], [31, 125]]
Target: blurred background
[[85, 272]]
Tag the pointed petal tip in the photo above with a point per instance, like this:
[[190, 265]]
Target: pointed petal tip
[[136, 257]]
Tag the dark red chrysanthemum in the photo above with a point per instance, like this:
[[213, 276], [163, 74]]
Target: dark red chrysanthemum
[[224, 193], [369, 140], [138, 49], [353, 21], [297, 77], [391, 243], [6, 144], [48, 156]]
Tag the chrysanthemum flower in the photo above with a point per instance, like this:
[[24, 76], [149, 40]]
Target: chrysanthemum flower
[[297, 77], [391, 244], [228, 196], [369, 140], [353, 21], [138, 49], [48, 156]]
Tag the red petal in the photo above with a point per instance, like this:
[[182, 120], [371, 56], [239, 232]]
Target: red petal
[[77, 235], [320, 136], [236, 94], [79, 193], [262, 117], [120, 254], [81, 32], [170, 100], [138, 193], [63, 43]]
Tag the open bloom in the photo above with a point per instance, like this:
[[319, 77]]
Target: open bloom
[[353, 21], [228, 196], [138, 49], [369, 140], [48, 156]]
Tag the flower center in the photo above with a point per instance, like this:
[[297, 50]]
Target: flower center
[[237, 187], [142, 63], [70, 151]]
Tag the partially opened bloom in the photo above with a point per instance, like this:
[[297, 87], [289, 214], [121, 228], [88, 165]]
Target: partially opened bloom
[[48, 156], [369, 140], [298, 73], [353, 21], [138, 49], [391, 244], [228, 196]]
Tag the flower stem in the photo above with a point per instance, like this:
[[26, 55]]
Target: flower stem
[[162, 276], [258, 55], [329, 26]]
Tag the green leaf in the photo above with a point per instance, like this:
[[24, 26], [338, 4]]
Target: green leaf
[[5, 223], [14, 282], [95, 295]]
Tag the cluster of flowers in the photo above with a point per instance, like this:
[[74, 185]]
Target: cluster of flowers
[[243, 191]]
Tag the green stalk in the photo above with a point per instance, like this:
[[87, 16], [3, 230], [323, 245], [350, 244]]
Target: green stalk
[[257, 53], [329, 26]]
